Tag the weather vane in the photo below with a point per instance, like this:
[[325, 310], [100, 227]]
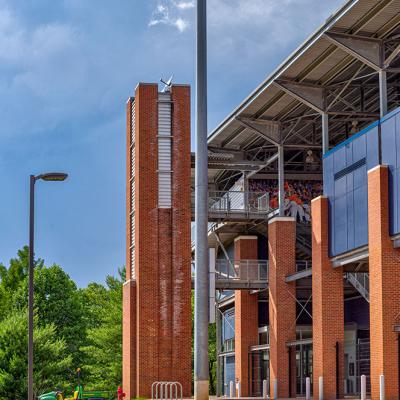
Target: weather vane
[[167, 84]]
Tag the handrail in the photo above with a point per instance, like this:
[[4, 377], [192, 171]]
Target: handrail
[[360, 280], [302, 265], [241, 270], [237, 201]]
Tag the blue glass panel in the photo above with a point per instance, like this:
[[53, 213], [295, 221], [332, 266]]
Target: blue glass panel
[[350, 217], [388, 135], [360, 148], [372, 148], [360, 216], [340, 187], [228, 325], [229, 373], [340, 244], [328, 176], [397, 128], [349, 154], [339, 160], [360, 176]]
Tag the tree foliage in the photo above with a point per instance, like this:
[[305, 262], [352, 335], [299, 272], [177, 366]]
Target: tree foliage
[[103, 353], [212, 351], [51, 359], [73, 328]]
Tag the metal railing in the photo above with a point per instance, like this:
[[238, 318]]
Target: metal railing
[[242, 270], [235, 201], [302, 265], [360, 280], [211, 227], [239, 201]]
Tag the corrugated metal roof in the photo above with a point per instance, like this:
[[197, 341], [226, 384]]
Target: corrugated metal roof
[[318, 61]]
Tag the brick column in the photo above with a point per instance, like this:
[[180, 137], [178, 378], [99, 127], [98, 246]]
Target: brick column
[[181, 241], [129, 288], [282, 303], [328, 307], [146, 232], [129, 339], [384, 287], [246, 316], [157, 294]]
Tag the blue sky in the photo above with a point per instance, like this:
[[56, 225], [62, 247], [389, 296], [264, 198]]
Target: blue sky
[[67, 68]]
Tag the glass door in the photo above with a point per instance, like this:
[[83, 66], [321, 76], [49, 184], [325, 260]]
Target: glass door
[[303, 367]]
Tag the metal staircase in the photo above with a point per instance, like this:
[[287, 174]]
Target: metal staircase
[[303, 247], [360, 280]]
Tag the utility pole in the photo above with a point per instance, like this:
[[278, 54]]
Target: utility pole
[[201, 305]]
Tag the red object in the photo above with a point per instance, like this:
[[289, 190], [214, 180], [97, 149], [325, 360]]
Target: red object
[[120, 393]]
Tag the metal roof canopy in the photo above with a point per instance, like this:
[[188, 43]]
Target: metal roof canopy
[[337, 82]]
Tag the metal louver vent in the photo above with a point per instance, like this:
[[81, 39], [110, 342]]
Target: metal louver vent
[[164, 151], [133, 193]]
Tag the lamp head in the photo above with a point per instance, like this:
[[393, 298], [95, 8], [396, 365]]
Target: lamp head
[[52, 176]]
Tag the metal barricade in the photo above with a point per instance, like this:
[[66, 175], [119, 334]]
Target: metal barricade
[[166, 391]]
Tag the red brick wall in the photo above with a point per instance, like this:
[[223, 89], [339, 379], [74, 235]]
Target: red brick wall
[[146, 220], [164, 244], [158, 317], [129, 289], [328, 306], [181, 240], [129, 339], [282, 303], [384, 287], [246, 315]]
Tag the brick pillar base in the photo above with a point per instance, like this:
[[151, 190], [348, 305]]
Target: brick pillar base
[[328, 308], [129, 339], [282, 303], [384, 288], [246, 316]]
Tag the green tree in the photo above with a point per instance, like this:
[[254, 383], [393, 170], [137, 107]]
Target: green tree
[[57, 301], [13, 278], [103, 352], [51, 359], [212, 351]]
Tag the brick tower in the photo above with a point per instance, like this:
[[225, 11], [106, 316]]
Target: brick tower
[[157, 291]]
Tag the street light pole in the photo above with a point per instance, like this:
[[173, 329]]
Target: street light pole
[[30, 290], [53, 176], [201, 305]]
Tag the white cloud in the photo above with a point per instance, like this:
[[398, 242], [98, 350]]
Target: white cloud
[[181, 24], [170, 13], [184, 5], [253, 28]]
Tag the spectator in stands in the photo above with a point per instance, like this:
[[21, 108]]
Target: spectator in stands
[[298, 195]]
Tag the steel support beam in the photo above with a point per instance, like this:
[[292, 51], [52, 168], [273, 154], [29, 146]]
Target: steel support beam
[[383, 98], [310, 95], [391, 57], [202, 287], [269, 130], [281, 180], [368, 50], [325, 133], [269, 161]]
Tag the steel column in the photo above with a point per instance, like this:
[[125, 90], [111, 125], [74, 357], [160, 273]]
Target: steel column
[[281, 180], [325, 132], [383, 101], [201, 367]]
